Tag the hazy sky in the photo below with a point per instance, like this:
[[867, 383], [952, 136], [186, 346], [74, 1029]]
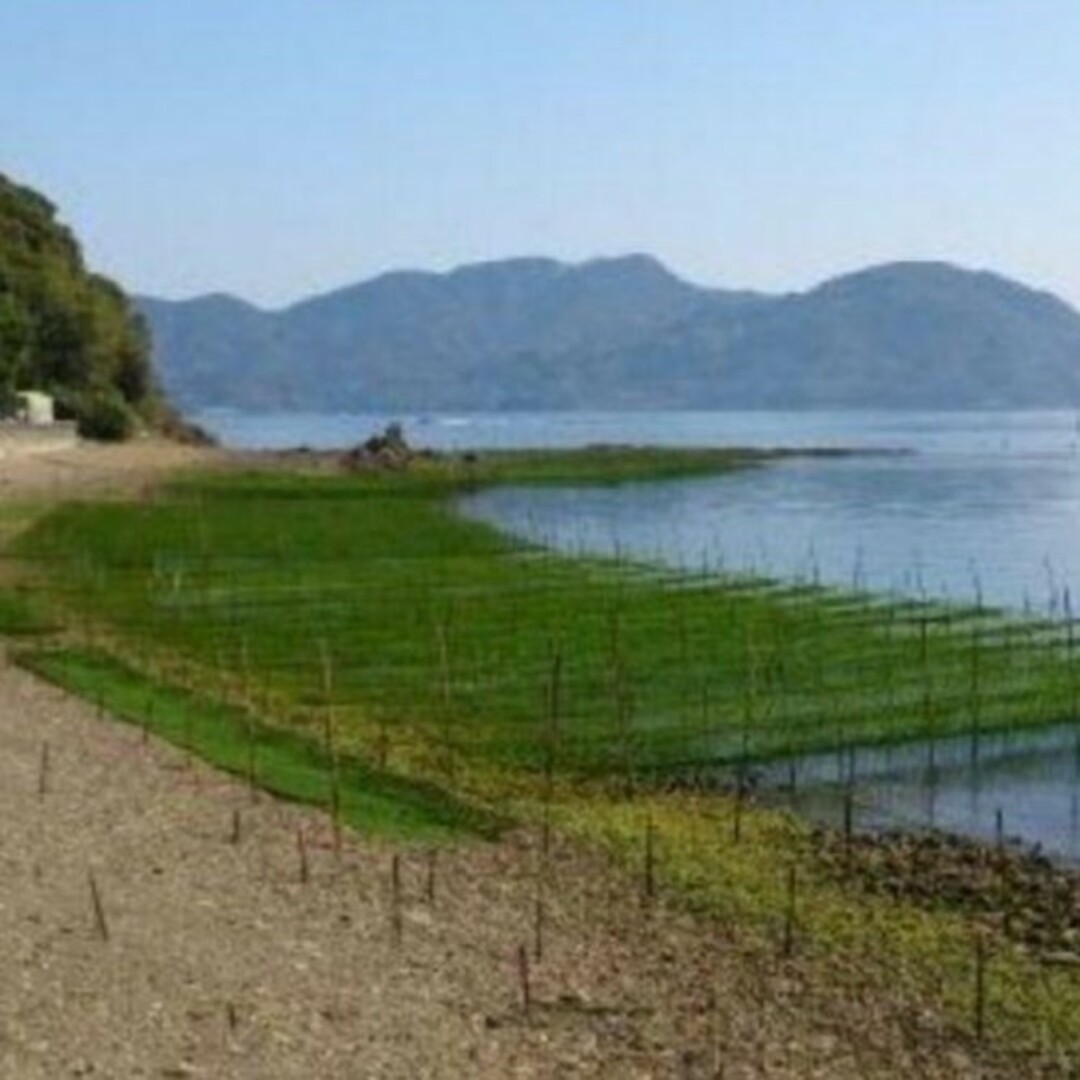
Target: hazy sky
[[273, 148]]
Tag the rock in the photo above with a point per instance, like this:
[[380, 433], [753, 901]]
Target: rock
[[389, 450], [1022, 893]]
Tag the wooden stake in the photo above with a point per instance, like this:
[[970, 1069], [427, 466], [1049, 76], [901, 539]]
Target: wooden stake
[[189, 740], [789, 915], [980, 987], [539, 914], [330, 742], [523, 978], [99, 908], [396, 922], [335, 807], [446, 698], [545, 827], [650, 859], [383, 748], [551, 745], [301, 850], [431, 861], [849, 820], [251, 776], [43, 772]]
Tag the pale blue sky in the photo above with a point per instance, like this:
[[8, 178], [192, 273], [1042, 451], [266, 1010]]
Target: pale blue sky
[[273, 148]]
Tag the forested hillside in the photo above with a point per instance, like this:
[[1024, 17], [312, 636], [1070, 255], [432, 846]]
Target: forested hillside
[[626, 333], [65, 329]]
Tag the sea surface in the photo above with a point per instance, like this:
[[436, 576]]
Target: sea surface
[[971, 505], [964, 506]]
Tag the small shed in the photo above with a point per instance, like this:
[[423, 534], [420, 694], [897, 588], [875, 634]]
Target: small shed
[[35, 408]]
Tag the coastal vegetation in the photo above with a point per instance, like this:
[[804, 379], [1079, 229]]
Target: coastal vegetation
[[67, 330], [442, 633], [347, 638]]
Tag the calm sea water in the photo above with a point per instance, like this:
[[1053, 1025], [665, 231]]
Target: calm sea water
[[984, 504], [1028, 781], [979, 505]]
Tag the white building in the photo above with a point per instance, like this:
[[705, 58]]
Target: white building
[[35, 408]]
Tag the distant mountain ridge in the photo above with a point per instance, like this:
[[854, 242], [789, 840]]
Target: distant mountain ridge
[[625, 332]]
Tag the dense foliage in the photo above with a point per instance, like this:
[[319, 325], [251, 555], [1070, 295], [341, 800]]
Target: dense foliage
[[64, 329]]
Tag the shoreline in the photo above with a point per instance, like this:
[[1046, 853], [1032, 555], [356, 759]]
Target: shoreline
[[930, 1056], [1032, 899]]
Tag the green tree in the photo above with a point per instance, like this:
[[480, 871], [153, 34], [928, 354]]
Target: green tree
[[64, 329], [15, 339]]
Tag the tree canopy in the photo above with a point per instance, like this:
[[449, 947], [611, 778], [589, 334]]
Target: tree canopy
[[64, 329]]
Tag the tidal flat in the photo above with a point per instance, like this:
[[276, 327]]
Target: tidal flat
[[359, 612]]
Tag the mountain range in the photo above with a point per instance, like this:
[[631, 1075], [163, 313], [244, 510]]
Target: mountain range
[[625, 333]]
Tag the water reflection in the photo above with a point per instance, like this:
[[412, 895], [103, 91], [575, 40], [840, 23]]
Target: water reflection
[[998, 528], [987, 507], [1025, 784], [968, 517]]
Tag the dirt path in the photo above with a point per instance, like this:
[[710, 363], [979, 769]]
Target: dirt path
[[213, 958], [93, 469]]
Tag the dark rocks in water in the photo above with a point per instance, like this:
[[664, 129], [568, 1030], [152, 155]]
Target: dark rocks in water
[[388, 450]]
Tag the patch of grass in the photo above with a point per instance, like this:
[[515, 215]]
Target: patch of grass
[[20, 615], [15, 516], [604, 465], [286, 763], [444, 634]]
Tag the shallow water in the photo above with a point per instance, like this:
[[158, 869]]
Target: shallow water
[[986, 506], [977, 432], [1026, 784], [1000, 528]]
